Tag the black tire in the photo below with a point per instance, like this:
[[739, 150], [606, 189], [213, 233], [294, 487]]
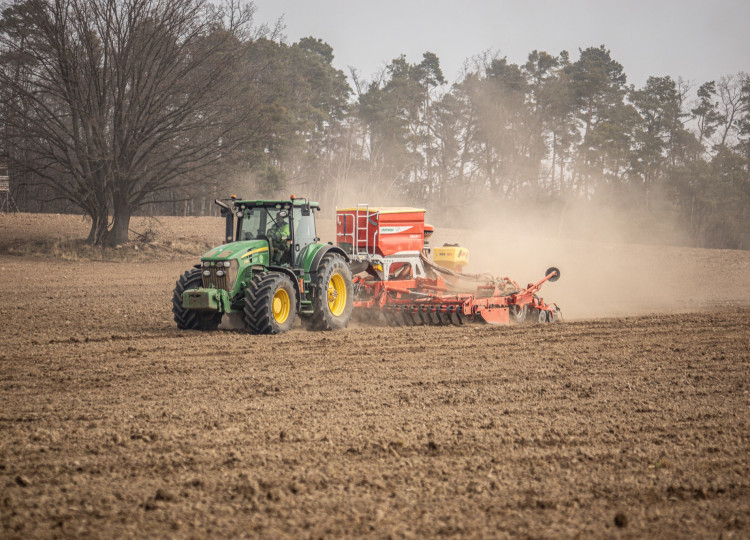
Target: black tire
[[270, 304], [191, 319], [327, 313]]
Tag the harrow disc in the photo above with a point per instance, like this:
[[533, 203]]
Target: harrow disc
[[556, 271], [456, 316], [394, 316]]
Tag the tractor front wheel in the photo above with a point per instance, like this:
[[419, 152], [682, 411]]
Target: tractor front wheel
[[270, 304], [333, 299], [190, 319]]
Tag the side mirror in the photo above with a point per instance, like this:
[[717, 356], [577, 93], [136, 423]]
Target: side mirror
[[305, 209]]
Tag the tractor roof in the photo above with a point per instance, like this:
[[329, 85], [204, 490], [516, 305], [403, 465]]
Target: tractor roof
[[272, 203]]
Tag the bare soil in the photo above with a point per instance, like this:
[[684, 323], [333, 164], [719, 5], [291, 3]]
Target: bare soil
[[630, 419]]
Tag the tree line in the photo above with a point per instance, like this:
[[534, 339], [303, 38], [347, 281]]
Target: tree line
[[118, 107]]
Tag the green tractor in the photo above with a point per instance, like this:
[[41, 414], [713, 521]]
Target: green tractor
[[271, 268]]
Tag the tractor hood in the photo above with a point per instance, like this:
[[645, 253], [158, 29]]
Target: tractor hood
[[242, 251]]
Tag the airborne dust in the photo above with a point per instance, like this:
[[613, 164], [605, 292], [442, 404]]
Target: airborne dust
[[612, 263]]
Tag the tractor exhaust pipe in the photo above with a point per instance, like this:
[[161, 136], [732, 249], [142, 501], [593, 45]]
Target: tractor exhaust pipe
[[228, 214]]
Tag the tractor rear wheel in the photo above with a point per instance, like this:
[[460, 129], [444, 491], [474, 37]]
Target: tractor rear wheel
[[270, 304], [334, 294], [190, 319]]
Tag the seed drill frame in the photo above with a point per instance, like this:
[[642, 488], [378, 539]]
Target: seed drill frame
[[399, 282]]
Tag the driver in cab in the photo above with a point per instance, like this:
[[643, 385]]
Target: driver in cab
[[279, 234]]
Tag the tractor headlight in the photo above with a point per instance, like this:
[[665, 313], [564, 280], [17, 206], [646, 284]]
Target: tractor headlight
[[220, 273], [207, 273], [206, 264], [227, 264]]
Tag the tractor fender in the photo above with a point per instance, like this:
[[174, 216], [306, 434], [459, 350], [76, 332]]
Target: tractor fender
[[322, 252], [291, 275]]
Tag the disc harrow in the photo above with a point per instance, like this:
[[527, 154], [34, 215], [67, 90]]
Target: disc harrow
[[424, 315]]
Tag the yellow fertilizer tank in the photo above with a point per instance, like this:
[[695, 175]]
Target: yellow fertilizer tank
[[452, 257]]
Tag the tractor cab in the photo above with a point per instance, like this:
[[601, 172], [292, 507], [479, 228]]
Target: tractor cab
[[288, 227]]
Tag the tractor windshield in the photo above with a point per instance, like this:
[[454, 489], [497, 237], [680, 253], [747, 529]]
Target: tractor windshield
[[259, 221]]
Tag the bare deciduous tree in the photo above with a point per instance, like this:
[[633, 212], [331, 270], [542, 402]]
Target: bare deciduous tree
[[730, 104], [110, 102]]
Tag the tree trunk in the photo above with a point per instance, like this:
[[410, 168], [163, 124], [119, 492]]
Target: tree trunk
[[98, 230], [119, 233]]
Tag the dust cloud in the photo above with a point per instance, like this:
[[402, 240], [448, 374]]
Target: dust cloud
[[611, 265]]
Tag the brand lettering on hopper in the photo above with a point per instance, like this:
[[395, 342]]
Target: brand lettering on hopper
[[394, 230]]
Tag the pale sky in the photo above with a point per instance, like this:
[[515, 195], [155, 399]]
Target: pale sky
[[697, 40]]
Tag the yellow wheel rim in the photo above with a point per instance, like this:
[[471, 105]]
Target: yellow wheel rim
[[337, 294], [281, 306]]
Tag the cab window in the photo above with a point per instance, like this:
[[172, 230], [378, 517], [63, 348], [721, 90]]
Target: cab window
[[304, 228]]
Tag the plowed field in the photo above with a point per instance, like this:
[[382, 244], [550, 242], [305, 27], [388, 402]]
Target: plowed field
[[630, 419]]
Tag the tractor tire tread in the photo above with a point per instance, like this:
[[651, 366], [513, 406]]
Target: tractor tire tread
[[322, 318], [258, 307], [189, 319]]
